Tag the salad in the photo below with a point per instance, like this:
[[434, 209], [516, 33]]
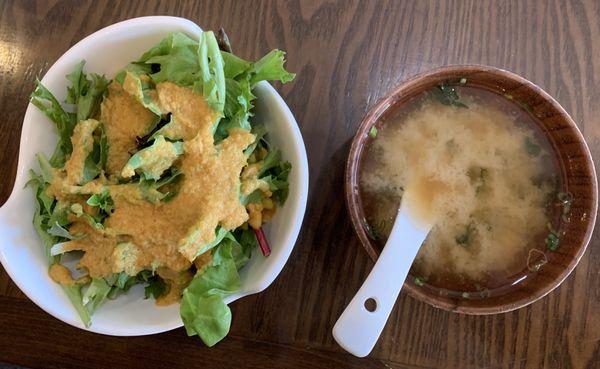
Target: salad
[[160, 178]]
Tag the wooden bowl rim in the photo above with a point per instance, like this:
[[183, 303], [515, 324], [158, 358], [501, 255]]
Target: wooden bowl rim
[[435, 76]]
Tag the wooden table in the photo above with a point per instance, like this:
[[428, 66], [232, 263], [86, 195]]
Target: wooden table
[[347, 54]]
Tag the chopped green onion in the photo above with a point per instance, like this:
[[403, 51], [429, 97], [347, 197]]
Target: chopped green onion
[[373, 132], [420, 281], [552, 241]]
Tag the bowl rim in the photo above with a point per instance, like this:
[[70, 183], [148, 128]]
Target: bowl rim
[[353, 165], [291, 233]]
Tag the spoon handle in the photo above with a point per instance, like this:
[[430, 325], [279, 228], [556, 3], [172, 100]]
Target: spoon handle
[[358, 329]]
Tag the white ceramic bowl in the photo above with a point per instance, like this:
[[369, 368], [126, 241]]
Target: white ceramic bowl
[[21, 251]]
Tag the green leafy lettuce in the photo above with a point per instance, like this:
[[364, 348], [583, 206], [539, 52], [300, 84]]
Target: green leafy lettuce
[[64, 122], [84, 93], [44, 209], [163, 189], [203, 310], [154, 160], [225, 80], [140, 89]]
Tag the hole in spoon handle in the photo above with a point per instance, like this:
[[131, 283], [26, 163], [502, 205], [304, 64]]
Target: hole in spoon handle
[[371, 305]]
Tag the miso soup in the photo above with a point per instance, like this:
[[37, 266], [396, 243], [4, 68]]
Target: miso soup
[[481, 170]]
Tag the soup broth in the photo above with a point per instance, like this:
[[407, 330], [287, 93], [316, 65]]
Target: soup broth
[[481, 172]]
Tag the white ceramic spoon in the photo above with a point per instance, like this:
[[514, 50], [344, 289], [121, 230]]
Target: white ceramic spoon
[[358, 329]]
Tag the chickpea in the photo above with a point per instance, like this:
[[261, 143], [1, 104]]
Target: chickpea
[[255, 215], [267, 203]]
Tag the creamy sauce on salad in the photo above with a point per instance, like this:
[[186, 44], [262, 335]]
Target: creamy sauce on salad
[[162, 236], [124, 119]]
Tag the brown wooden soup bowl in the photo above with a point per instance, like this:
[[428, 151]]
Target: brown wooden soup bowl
[[577, 172]]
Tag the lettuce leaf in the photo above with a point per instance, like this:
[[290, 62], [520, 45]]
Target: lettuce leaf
[[61, 248], [156, 287], [275, 172], [137, 68], [191, 248], [153, 160], [239, 97], [259, 131], [84, 93], [140, 89], [95, 294], [64, 122], [278, 181], [74, 294], [95, 162], [47, 172], [102, 200], [59, 231], [234, 65], [245, 243], [202, 309], [270, 68], [43, 213], [121, 283], [212, 81], [59, 215], [176, 56], [240, 78], [83, 166], [170, 130], [272, 160], [190, 240], [152, 189], [94, 221], [86, 303]]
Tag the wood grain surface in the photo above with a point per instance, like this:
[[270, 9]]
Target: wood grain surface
[[347, 55]]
